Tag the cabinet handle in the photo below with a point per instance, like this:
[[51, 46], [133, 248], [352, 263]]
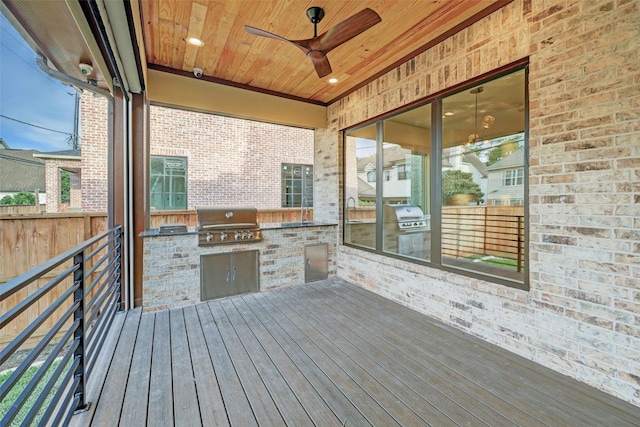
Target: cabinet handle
[[227, 274], [308, 263], [234, 274]]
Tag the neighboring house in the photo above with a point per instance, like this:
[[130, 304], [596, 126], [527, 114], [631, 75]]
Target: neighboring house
[[397, 175], [458, 159], [55, 163], [506, 181], [199, 159], [20, 171]]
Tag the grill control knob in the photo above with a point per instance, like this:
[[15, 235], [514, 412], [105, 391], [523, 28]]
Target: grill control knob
[[209, 237], [244, 235], [250, 235], [223, 236], [236, 235]]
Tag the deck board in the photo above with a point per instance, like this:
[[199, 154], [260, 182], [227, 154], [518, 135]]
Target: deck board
[[494, 367], [306, 394], [185, 408], [160, 404], [286, 401], [329, 354], [239, 410], [138, 390], [341, 406], [212, 408], [118, 374]]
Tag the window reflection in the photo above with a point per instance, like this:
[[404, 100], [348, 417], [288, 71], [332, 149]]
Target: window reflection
[[483, 178], [405, 155], [360, 187], [479, 203]]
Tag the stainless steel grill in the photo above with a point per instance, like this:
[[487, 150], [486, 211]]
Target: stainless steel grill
[[409, 218], [227, 224]]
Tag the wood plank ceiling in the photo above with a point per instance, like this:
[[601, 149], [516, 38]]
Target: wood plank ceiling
[[231, 55]]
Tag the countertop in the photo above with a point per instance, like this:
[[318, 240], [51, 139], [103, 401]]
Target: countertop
[[155, 232]]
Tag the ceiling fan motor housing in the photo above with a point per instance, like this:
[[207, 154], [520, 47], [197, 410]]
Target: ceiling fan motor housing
[[315, 14]]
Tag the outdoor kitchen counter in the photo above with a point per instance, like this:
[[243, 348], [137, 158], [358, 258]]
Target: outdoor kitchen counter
[[154, 232], [306, 224], [171, 262]]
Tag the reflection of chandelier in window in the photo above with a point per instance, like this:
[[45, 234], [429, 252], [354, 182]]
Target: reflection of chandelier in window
[[487, 121]]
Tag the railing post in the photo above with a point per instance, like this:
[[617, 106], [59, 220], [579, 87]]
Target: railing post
[[119, 254], [79, 334]]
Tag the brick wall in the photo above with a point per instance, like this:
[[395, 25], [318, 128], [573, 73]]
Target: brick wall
[[94, 127], [230, 161], [581, 316], [52, 178]]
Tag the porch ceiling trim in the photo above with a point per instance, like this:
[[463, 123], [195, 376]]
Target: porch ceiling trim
[[193, 94]]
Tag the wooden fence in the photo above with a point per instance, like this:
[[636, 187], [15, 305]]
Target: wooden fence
[[28, 240], [484, 231], [21, 209]]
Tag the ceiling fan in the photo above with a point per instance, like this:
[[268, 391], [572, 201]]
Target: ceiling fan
[[316, 48]]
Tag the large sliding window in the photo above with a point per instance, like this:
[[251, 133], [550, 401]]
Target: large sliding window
[[452, 182]]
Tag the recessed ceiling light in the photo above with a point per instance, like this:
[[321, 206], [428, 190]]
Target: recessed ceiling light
[[195, 41], [448, 113], [332, 80]]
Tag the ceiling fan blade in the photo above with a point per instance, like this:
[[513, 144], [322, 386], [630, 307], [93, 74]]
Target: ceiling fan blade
[[346, 30], [320, 63], [263, 33]]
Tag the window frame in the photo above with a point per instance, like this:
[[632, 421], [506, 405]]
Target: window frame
[[512, 181], [164, 176], [436, 100], [304, 183]]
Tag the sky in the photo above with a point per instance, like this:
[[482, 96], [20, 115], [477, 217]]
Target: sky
[[36, 111]]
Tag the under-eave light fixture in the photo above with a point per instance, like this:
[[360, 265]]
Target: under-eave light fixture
[[194, 41]]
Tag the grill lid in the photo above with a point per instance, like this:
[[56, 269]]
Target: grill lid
[[218, 217], [403, 213]]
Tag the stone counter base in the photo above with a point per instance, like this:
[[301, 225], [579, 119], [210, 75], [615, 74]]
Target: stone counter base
[[171, 267]]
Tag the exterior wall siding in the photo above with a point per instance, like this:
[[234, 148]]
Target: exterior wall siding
[[581, 315]]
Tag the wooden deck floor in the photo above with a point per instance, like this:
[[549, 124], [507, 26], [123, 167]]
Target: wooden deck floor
[[327, 354]]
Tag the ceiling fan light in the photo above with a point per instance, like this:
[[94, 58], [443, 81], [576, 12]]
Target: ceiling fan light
[[194, 41]]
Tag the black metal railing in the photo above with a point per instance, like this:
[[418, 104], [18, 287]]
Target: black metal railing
[[60, 327], [469, 235]]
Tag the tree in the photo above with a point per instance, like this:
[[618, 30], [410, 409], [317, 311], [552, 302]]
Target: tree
[[65, 186], [24, 198], [457, 182], [501, 151]]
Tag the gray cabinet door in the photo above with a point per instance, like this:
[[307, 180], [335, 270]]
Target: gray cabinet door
[[223, 275]]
